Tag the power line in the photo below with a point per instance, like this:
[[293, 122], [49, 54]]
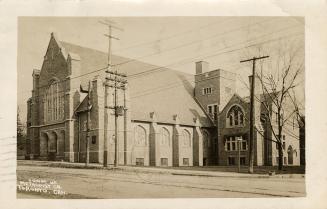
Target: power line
[[172, 36], [189, 43], [173, 84], [181, 62], [208, 56], [232, 50]]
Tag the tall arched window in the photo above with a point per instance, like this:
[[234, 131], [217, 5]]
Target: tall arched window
[[165, 137], [235, 116], [140, 136], [186, 138], [290, 155], [54, 102]]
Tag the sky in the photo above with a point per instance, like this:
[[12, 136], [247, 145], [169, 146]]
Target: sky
[[173, 42]]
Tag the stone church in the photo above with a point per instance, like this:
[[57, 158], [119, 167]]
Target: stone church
[[168, 118]]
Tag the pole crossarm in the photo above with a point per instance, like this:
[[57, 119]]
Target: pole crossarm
[[113, 37], [110, 23], [254, 58], [116, 73]]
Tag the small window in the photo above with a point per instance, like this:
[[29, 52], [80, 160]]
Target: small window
[[244, 145], [228, 147], [231, 160], [207, 90], [164, 161], [242, 160], [233, 146], [185, 161], [210, 109], [140, 161], [94, 139], [283, 145], [213, 111]]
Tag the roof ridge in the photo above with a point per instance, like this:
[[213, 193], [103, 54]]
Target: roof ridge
[[63, 43]]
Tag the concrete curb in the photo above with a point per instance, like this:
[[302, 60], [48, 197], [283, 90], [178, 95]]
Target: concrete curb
[[157, 170]]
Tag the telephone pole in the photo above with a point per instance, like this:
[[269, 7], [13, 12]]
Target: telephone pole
[[251, 141], [110, 26], [88, 120], [119, 83]]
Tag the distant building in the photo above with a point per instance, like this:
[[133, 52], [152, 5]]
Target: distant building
[[168, 118]]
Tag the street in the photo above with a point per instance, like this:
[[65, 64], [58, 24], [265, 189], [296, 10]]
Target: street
[[99, 183]]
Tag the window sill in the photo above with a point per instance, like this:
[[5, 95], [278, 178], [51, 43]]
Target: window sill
[[235, 150], [230, 127]]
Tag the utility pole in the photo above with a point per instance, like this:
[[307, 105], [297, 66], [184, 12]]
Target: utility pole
[[88, 120], [110, 26], [251, 141], [119, 83]]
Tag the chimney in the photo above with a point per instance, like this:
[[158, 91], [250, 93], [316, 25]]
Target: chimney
[[201, 67]]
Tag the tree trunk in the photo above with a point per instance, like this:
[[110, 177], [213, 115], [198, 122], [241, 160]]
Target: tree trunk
[[280, 154]]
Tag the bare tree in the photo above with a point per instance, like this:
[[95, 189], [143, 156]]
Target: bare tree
[[278, 83], [21, 134]]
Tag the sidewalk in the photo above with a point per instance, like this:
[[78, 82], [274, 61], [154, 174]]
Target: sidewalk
[[159, 170]]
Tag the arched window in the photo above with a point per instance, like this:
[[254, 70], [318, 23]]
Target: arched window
[[235, 116], [53, 145], [165, 137], [54, 102], [186, 138], [140, 136], [290, 155]]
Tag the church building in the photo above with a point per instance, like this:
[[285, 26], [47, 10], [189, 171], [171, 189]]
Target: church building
[[164, 117]]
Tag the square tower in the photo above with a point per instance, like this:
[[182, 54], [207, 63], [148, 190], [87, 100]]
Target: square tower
[[213, 88]]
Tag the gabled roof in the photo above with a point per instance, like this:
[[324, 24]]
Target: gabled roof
[[82, 107], [152, 88], [231, 99]]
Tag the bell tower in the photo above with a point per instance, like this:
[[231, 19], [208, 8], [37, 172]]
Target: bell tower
[[213, 88]]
